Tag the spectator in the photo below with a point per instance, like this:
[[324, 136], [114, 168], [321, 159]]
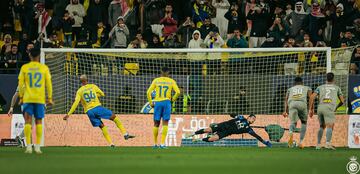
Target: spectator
[[288, 10], [119, 33], [26, 56], [214, 40], [77, 12], [53, 42], [355, 61], [26, 12], [347, 39], [155, 42], [315, 23], [171, 41], [169, 21], [338, 25], [222, 7], [271, 41], [207, 27], [237, 41], [24, 41], [196, 40], [116, 8], [101, 36], [67, 22], [278, 31], [200, 12], [186, 30], [307, 42], [12, 59], [139, 42], [43, 20], [236, 20], [95, 14], [7, 44], [153, 14], [296, 19], [290, 42], [259, 19]]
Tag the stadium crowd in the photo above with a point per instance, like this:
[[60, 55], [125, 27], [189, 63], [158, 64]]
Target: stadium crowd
[[174, 24]]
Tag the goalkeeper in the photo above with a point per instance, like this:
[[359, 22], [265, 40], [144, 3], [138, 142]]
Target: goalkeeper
[[238, 125]]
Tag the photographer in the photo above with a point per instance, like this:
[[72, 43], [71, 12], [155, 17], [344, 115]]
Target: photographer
[[119, 33], [259, 18], [186, 31], [236, 19]]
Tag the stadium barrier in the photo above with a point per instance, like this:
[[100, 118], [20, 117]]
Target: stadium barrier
[[79, 132]]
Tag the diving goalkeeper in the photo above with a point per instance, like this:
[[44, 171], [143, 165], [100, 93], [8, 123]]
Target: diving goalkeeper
[[238, 125]]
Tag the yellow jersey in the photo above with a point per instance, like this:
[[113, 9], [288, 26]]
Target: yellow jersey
[[33, 79], [89, 96], [163, 87]]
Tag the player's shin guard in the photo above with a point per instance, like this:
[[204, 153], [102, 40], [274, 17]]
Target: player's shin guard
[[120, 125], [302, 132], [106, 135], [27, 132], [320, 134], [164, 134], [201, 131], [328, 135], [155, 133], [39, 133]]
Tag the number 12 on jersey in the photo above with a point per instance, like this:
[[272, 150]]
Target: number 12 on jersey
[[166, 88]]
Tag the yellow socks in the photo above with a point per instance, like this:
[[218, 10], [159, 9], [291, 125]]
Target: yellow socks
[[155, 133], [27, 133], [120, 125], [39, 132], [164, 134], [106, 135]]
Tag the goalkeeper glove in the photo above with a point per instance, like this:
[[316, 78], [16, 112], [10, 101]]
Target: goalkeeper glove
[[267, 143]]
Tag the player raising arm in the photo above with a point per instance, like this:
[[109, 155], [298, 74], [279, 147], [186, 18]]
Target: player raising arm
[[33, 79], [89, 95], [328, 95], [238, 125], [163, 86], [296, 107]]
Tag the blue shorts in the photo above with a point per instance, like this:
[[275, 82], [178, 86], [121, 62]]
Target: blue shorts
[[162, 110], [34, 109], [96, 114]]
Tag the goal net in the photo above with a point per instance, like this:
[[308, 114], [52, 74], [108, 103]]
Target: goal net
[[212, 81]]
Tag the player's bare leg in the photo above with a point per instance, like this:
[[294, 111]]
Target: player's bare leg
[[27, 132], [156, 132], [329, 130], [122, 129], [164, 133], [39, 133], [320, 134], [106, 134]]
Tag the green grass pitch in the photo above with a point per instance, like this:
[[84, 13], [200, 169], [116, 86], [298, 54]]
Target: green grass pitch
[[175, 160]]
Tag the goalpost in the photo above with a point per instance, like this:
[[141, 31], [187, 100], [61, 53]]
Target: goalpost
[[213, 81]]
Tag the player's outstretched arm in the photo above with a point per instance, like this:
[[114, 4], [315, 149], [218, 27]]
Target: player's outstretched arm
[[267, 143], [74, 106]]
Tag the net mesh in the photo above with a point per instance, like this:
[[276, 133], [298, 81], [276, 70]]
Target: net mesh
[[211, 83]]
